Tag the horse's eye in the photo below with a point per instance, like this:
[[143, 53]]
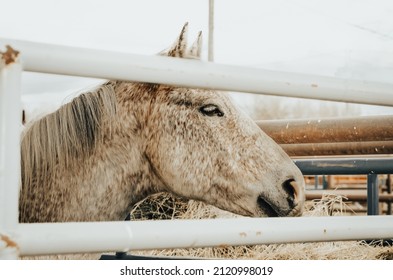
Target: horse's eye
[[211, 110]]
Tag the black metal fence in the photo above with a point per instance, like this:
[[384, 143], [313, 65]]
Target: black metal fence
[[354, 166]]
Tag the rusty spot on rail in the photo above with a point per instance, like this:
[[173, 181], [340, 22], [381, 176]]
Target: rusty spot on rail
[[10, 55], [9, 243]]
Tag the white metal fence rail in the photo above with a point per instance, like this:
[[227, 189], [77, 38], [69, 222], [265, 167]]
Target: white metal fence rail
[[192, 73], [30, 239], [143, 235]]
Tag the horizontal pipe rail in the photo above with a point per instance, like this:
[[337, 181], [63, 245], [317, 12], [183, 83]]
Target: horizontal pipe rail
[[356, 195], [345, 166], [340, 148], [56, 59], [63, 238], [330, 130]]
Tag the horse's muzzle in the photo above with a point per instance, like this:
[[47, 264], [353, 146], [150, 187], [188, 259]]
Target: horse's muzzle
[[295, 200]]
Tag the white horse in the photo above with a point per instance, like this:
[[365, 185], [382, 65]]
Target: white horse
[[98, 155]]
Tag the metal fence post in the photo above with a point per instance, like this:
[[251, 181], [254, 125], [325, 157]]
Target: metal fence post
[[324, 183], [10, 128], [389, 190], [316, 183], [372, 194], [211, 31]]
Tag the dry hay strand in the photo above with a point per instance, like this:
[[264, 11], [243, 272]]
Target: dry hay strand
[[166, 206]]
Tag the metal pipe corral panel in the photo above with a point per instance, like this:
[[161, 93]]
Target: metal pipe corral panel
[[345, 166], [332, 136], [57, 59], [138, 235], [340, 148], [330, 130]]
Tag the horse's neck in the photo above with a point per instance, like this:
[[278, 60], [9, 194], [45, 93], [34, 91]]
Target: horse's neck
[[120, 173], [103, 186], [117, 178]]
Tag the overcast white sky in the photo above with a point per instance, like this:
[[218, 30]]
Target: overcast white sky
[[341, 38]]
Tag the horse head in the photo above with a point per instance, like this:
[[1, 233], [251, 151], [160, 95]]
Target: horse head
[[200, 146], [107, 149]]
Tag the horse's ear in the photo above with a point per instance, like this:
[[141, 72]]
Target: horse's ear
[[196, 48], [179, 47]]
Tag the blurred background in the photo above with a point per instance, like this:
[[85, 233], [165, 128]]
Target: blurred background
[[340, 38]]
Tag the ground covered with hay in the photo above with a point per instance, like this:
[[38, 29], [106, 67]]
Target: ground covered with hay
[[166, 206]]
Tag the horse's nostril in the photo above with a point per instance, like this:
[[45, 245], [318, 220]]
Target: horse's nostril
[[290, 187], [267, 207]]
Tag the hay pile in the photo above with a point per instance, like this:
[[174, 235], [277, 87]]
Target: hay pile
[[166, 206]]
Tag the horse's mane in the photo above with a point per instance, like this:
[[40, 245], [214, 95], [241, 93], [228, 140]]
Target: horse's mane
[[70, 132]]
